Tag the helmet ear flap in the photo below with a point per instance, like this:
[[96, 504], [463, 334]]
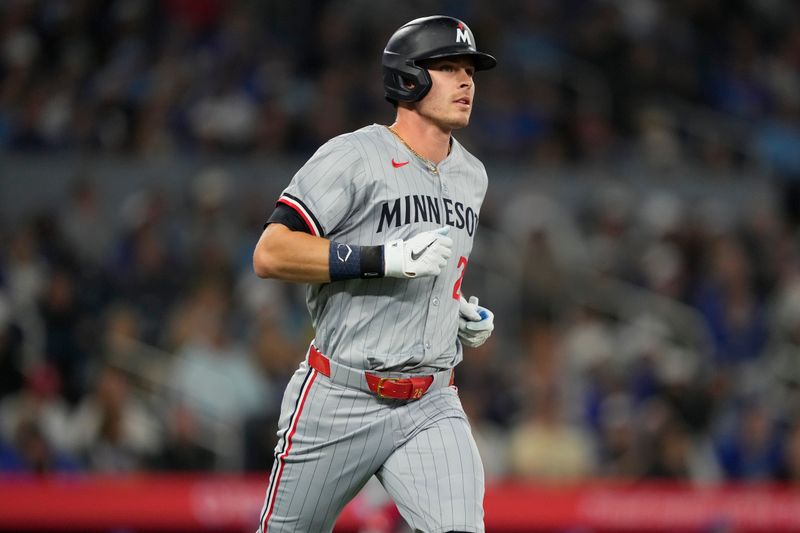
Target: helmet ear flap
[[408, 83], [424, 85]]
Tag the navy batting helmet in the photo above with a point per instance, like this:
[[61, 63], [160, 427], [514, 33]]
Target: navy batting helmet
[[425, 38]]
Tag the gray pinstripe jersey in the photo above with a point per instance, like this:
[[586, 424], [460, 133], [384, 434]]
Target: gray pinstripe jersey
[[366, 188]]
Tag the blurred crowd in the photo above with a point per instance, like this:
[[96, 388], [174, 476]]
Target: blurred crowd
[[654, 337], [587, 80]]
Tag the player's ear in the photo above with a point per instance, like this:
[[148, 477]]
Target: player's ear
[[408, 84]]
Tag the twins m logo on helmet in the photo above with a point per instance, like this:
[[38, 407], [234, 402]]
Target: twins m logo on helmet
[[414, 208], [461, 35]]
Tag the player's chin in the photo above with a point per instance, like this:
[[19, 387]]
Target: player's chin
[[459, 121]]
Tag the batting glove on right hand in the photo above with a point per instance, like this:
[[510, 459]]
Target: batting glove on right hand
[[424, 254], [475, 323]]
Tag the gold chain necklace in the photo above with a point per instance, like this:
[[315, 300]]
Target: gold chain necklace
[[428, 163]]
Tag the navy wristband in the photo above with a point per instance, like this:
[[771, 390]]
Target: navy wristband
[[355, 262]]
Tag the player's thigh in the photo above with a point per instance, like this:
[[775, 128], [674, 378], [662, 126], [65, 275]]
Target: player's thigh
[[436, 478], [322, 458]]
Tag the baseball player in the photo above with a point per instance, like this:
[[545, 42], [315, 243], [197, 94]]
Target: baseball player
[[380, 224]]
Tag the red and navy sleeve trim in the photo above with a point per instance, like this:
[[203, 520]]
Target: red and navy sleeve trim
[[314, 227], [283, 214]]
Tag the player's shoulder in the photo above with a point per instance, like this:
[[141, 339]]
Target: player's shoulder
[[360, 142], [363, 137]]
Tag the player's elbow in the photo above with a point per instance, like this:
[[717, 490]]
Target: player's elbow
[[265, 260], [265, 264]]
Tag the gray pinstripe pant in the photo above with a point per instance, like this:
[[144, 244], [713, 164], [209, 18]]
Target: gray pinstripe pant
[[332, 439]]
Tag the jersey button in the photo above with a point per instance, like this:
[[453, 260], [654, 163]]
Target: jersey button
[[435, 300], [428, 345]]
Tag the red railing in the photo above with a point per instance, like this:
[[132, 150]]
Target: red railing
[[171, 503]]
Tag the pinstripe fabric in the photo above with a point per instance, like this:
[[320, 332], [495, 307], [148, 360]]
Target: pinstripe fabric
[[285, 446], [421, 451], [436, 478]]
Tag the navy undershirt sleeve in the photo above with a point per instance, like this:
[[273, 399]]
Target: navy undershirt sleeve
[[283, 214]]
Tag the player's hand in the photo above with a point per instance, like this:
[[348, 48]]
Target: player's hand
[[424, 254], [475, 323]]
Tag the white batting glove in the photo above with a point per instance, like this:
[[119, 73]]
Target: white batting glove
[[424, 254], [475, 323]]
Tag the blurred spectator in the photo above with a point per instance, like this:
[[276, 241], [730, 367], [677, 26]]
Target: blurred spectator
[[672, 451], [111, 429], [147, 272], [727, 299], [25, 274], [751, 449], [778, 144], [124, 348], [610, 218], [276, 357], [63, 316], [544, 447], [84, 224], [620, 454], [10, 460], [183, 449], [25, 269], [483, 374], [11, 355], [40, 403], [782, 365], [589, 369], [214, 377], [490, 438], [210, 231], [226, 119], [38, 454], [791, 455], [487, 398]]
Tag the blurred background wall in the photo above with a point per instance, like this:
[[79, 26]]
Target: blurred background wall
[[638, 243]]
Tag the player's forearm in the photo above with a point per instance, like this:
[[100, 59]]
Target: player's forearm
[[291, 256], [288, 255]]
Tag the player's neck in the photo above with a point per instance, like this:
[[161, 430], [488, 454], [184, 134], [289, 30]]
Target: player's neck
[[426, 138]]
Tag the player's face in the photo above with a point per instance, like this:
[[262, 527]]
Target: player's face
[[450, 99]]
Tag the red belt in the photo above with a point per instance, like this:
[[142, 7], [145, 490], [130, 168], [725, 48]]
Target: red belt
[[394, 388]]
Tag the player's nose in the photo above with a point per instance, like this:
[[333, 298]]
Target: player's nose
[[464, 77]]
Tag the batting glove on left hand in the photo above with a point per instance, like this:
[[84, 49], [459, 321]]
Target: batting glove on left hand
[[475, 323]]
